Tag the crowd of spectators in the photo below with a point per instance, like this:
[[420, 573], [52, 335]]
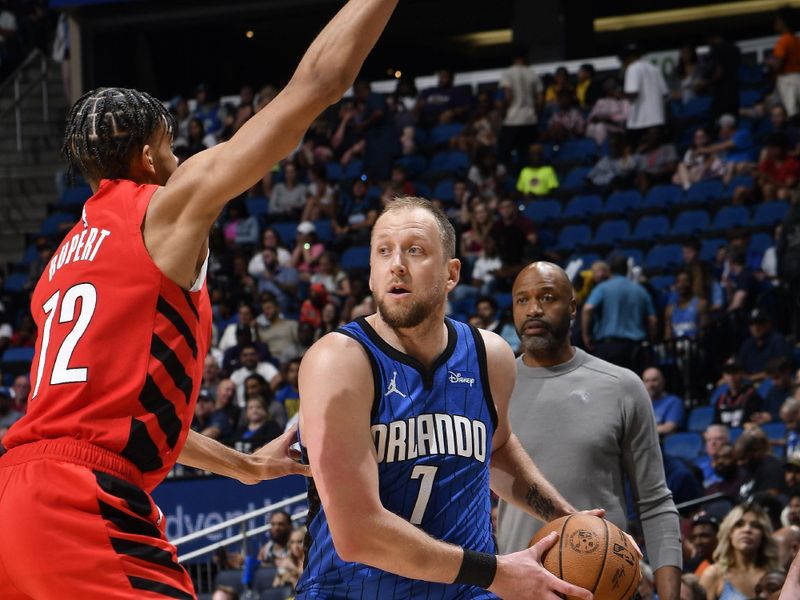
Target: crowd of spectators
[[519, 167]]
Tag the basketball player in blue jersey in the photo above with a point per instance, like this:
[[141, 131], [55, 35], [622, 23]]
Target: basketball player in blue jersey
[[404, 421]]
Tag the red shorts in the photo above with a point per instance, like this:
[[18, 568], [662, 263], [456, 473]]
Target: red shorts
[[75, 524]]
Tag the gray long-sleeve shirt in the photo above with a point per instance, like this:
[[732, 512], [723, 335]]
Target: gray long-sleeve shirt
[[586, 423]]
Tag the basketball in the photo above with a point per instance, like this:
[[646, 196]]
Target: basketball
[[592, 553]]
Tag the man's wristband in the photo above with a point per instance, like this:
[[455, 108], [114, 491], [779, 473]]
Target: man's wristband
[[477, 568]]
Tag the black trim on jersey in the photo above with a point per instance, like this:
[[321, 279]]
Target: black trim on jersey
[[376, 372], [174, 317], [173, 365], [483, 363], [145, 552], [140, 449], [189, 301], [314, 506], [140, 583], [135, 497], [395, 354], [156, 403], [128, 523]]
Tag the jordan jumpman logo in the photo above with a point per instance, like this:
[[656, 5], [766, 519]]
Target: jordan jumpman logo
[[393, 386]]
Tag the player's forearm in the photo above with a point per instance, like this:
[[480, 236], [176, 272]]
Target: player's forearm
[[207, 454], [668, 583], [383, 540], [515, 478]]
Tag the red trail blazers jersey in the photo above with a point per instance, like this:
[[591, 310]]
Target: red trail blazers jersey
[[120, 347]]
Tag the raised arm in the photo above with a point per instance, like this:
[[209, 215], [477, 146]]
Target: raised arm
[[180, 215], [514, 476], [335, 426]]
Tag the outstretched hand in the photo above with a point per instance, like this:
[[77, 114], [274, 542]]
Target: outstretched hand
[[522, 576], [274, 460]]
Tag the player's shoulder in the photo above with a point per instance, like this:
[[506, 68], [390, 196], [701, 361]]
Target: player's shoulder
[[335, 346], [499, 355]]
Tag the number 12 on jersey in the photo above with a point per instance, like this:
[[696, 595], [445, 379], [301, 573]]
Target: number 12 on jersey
[[61, 372], [427, 474]]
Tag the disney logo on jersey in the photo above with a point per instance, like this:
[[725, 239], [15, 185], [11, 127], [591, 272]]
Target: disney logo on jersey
[[460, 378]]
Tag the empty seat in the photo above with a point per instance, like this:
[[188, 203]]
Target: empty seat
[[651, 227], [324, 230], [729, 217], [355, 257], [663, 256], [690, 221], [264, 577], [444, 190], [334, 172], [574, 235], [287, 232], [442, 134], [541, 211], [661, 196], [354, 170], [700, 418], [231, 578], [610, 232], [414, 164], [759, 243], [257, 207], [52, 224], [75, 196], [770, 213], [740, 181], [683, 445], [575, 179], [749, 98], [623, 202], [709, 248], [580, 150], [15, 282], [704, 191], [582, 206]]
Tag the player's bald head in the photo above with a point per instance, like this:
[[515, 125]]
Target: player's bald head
[[541, 272]]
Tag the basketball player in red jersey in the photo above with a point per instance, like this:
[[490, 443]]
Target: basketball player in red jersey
[[124, 322]]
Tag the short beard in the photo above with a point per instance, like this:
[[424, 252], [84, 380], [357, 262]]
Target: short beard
[[413, 315], [549, 342]]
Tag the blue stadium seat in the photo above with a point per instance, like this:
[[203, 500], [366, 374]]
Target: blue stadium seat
[[458, 162], [15, 282], [750, 75], [686, 445], [581, 150], [257, 207], [355, 257], [623, 202], [263, 578], [438, 164], [334, 172], [574, 235], [575, 180], [503, 301], [51, 225], [31, 252], [662, 282], [587, 259], [610, 232], [708, 248], [583, 206], [650, 227], [739, 181], [749, 98], [541, 211], [324, 230], [281, 593], [75, 196], [353, 170], [729, 217], [704, 191], [661, 196], [698, 108], [231, 578], [444, 190], [690, 221], [700, 418], [769, 213], [663, 256], [422, 189], [17, 356], [735, 432], [414, 164], [442, 134], [287, 232], [759, 243], [775, 430]]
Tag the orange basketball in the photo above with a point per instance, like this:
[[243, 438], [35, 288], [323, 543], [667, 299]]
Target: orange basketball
[[594, 554]]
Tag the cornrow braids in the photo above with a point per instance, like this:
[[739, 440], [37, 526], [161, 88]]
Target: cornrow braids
[[106, 126]]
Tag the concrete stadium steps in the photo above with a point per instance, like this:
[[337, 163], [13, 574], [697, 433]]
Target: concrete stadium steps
[[28, 178]]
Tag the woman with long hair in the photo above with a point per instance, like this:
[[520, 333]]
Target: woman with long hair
[[290, 567], [745, 553]]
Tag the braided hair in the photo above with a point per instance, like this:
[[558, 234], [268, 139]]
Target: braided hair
[[106, 126]]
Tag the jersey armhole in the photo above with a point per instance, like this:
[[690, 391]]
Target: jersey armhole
[[376, 374], [483, 364]]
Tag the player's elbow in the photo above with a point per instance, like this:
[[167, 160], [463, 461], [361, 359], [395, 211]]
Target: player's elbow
[[349, 545], [328, 84]]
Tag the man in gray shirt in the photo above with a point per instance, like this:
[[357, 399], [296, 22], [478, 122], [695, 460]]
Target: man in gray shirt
[[587, 424]]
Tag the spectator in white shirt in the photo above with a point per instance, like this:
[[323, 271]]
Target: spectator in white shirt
[[646, 90], [246, 319], [523, 93]]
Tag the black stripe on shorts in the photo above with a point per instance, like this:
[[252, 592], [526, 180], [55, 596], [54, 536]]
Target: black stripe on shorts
[[145, 552], [140, 583], [134, 496], [128, 523]]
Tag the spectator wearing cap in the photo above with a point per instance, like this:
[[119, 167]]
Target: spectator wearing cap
[[715, 437], [779, 370], [703, 541], [778, 172], [668, 408], [288, 198], [307, 250], [645, 89], [788, 540], [311, 309], [739, 403], [763, 345]]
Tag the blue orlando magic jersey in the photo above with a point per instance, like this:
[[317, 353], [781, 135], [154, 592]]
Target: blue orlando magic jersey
[[432, 431]]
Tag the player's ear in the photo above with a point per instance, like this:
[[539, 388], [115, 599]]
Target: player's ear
[[146, 159], [453, 273]]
